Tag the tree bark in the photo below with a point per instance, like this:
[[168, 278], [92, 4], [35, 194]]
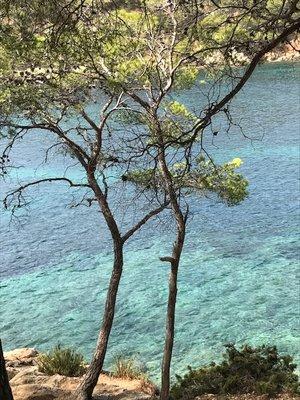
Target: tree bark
[[90, 379], [174, 261], [5, 389], [170, 320], [170, 329]]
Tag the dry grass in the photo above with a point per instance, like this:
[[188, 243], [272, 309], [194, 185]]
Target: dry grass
[[127, 368]]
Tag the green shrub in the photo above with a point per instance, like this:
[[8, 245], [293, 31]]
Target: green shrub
[[127, 368], [62, 361], [258, 370]]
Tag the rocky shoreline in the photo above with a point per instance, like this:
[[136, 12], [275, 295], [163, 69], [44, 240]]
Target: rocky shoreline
[[286, 52], [28, 383]]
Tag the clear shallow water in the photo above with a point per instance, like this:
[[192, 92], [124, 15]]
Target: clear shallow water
[[238, 279]]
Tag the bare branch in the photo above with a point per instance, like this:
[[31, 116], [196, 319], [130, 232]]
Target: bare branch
[[167, 259], [19, 191], [146, 218]]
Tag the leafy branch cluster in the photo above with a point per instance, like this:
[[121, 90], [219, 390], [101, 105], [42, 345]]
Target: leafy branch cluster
[[204, 177]]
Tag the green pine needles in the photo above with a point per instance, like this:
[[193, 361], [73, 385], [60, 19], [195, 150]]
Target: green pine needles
[[62, 361], [258, 370], [202, 178]]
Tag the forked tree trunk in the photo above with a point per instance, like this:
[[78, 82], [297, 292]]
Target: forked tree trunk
[[5, 390], [90, 379], [169, 338]]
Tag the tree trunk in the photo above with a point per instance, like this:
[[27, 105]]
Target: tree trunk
[[174, 260], [90, 379], [169, 339], [5, 390]]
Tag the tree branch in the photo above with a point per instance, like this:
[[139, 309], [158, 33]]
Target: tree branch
[[248, 73], [167, 259], [146, 218], [20, 189]]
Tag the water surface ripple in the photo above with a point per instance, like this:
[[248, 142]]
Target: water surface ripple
[[238, 279]]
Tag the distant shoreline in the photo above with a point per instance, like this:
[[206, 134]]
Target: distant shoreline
[[287, 52]]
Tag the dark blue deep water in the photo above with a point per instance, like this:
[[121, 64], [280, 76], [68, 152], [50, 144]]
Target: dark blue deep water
[[238, 279]]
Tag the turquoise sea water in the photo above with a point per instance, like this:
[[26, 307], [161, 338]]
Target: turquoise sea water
[[238, 278]]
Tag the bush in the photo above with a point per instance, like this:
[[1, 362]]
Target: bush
[[127, 368], [258, 370], [62, 361]]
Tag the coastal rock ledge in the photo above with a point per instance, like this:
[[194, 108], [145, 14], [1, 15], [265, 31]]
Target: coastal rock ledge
[[28, 383]]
